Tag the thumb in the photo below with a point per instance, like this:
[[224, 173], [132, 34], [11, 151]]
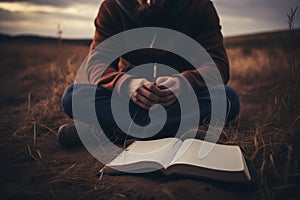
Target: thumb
[[161, 79], [134, 84], [165, 81]]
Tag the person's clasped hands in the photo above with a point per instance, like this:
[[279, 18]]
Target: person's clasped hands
[[146, 94]]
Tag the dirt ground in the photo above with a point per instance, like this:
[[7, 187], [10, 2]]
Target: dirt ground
[[34, 73]]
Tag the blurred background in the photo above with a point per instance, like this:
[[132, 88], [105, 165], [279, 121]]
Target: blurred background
[[76, 17]]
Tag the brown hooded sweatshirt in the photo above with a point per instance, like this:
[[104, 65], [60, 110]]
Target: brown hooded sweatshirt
[[197, 19]]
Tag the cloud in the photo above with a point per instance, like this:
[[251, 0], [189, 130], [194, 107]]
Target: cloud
[[76, 21], [57, 3], [45, 24], [76, 11], [264, 10], [76, 16], [8, 16], [249, 16]]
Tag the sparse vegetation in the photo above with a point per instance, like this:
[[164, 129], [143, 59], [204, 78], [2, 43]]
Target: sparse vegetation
[[36, 74]]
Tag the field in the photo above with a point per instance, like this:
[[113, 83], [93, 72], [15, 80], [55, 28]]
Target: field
[[35, 71]]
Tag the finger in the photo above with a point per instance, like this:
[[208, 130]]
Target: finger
[[168, 103], [148, 94], [165, 81], [158, 91], [153, 88], [162, 79], [167, 99], [139, 103], [139, 95], [165, 92], [144, 100]]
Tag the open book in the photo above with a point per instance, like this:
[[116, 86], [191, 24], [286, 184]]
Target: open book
[[173, 156]]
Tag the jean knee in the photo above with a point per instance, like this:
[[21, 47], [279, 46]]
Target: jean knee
[[66, 101], [233, 103]]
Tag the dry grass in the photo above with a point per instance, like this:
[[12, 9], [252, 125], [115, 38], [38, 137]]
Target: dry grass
[[269, 87], [261, 75]]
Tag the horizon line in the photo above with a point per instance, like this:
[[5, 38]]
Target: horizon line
[[90, 38]]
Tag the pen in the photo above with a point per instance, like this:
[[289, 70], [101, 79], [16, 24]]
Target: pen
[[155, 73], [155, 66]]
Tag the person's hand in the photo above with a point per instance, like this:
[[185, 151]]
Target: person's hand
[[143, 93], [169, 88]]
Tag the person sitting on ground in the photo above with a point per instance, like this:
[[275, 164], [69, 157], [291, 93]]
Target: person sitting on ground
[[197, 19]]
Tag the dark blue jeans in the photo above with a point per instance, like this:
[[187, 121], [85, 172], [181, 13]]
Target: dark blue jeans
[[108, 124]]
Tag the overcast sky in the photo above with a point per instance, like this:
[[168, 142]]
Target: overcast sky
[[41, 17]]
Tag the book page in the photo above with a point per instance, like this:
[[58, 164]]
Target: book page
[[222, 157], [160, 151]]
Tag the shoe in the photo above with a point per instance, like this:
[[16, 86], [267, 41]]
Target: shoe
[[68, 137]]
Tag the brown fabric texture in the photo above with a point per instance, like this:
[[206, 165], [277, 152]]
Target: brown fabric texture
[[197, 19]]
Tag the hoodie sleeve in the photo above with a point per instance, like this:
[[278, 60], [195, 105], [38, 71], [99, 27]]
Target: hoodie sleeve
[[207, 32], [104, 24], [105, 27]]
